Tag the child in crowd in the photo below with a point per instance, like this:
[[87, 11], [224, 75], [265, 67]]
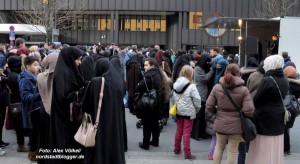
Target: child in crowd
[[30, 99], [188, 103]]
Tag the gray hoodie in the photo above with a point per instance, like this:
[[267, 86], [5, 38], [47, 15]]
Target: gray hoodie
[[189, 102]]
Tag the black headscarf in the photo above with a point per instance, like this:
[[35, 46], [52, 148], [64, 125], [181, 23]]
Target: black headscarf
[[87, 68], [204, 62], [14, 63], [115, 61], [112, 117]]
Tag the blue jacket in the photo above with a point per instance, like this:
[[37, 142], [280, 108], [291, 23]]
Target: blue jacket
[[2, 60], [30, 97]]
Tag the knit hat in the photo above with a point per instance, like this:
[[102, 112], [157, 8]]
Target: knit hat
[[290, 72]]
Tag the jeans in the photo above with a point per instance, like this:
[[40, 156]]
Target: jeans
[[232, 149], [184, 128]]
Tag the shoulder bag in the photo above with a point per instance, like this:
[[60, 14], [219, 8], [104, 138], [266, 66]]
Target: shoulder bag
[[248, 128], [148, 100], [86, 134], [288, 104]]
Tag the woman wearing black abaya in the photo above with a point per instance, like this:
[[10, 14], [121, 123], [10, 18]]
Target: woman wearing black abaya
[[202, 75], [109, 147], [67, 84], [115, 61]]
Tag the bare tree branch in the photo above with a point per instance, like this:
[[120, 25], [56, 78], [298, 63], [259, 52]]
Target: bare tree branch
[[277, 8], [51, 15]]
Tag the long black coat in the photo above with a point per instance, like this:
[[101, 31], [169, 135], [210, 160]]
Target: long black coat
[[269, 112], [154, 81], [109, 147]]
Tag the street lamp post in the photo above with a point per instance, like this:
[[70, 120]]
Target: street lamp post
[[240, 22]]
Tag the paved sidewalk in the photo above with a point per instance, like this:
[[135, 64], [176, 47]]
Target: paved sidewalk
[[156, 155]]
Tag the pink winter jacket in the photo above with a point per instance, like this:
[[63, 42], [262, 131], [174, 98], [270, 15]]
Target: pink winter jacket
[[227, 118]]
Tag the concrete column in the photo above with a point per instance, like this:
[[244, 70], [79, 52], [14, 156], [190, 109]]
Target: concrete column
[[185, 20], [112, 18], [116, 40], [179, 41]]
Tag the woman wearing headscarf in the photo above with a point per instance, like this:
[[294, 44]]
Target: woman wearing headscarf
[[269, 114], [220, 69], [164, 65], [160, 59], [180, 60], [45, 86], [115, 61], [14, 65], [109, 147], [202, 75], [67, 87], [87, 68]]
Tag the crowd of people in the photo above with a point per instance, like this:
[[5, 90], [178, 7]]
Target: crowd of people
[[42, 85]]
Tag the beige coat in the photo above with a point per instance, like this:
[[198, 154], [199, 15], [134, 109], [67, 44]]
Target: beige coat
[[227, 118]]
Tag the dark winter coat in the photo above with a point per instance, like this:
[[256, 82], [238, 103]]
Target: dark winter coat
[[269, 112], [227, 118], [14, 64], [30, 97], [2, 60], [153, 80]]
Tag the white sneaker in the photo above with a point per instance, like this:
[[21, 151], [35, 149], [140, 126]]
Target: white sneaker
[[2, 152]]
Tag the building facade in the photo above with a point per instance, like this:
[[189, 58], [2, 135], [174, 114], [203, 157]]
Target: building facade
[[172, 24]]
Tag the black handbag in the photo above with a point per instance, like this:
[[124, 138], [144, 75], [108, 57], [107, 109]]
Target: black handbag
[[147, 100], [248, 128], [34, 118], [291, 104]]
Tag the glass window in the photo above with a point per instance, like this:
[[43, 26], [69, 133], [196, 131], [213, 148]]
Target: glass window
[[139, 20], [86, 22], [104, 22], [93, 25], [127, 29], [138, 29], [127, 20], [195, 20], [157, 29], [133, 23], [79, 24]]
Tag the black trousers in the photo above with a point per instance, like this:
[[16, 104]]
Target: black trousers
[[287, 146], [199, 124], [18, 123], [2, 118], [150, 126]]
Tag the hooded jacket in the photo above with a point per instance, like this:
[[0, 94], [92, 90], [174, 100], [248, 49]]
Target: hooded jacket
[[227, 118], [187, 98]]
